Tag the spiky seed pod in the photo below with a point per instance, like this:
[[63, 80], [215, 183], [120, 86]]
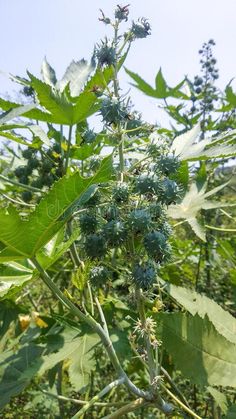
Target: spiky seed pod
[[156, 211], [28, 153], [171, 192], [115, 233], [26, 196], [139, 220], [165, 228], [20, 171], [144, 275], [155, 244], [47, 179], [37, 183], [95, 246], [88, 223], [113, 111], [122, 12], [99, 275], [168, 165], [24, 180], [47, 166], [88, 136], [33, 163], [105, 53], [141, 28], [120, 193], [146, 184], [94, 163]]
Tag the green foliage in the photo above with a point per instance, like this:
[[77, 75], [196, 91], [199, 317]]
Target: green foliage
[[198, 350], [85, 235]]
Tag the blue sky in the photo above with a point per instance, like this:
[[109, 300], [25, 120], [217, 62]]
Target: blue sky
[[67, 29]]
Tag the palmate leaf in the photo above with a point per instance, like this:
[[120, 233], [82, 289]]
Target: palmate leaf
[[195, 303], [193, 202], [161, 91], [16, 112], [188, 147], [76, 75], [48, 73], [198, 350], [19, 367], [25, 237], [220, 398], [37, 114]]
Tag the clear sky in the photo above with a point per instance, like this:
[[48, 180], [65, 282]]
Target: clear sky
[[68, 29]]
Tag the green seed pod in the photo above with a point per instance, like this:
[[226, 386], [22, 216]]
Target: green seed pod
[[28, 153], [141, 28], [139, 220], [95, 246], [146, 184], [115, 233], [171, 192], [168, 165], [88, 136], [24, 180], [20, 171], [99, 276], [155, 244], [93, 201], [144, 275], [33, 163], [105, 53], [88, 223], [156, 211], [113, 111], [37, 183], [120, 193], [47, 166], [26, 196]]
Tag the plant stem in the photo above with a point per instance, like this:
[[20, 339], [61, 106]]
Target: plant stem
[[68, 148], [130, 407], [79, 402], [182, 405], [141, 310], [174, 386], [102, 316], [102, 393], [20, 185], [95, 326], [59, 390]]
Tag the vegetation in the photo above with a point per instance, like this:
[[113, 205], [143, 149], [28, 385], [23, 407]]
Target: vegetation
[[117, 263]]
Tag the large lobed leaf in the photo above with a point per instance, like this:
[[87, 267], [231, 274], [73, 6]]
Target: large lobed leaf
[[195, 303], [23, 238], [198, 350]]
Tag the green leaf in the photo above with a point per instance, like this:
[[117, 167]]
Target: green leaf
[[53, 101], [141, 84], [198, 350], [13, 277], [33, 114], [161, 86], [17, 370], [79, 351], [16, 112], [231, 414], [219, 398], [230, 96], [195, 303], [39, 133], [26, 237], [76, 75], [48, 73]]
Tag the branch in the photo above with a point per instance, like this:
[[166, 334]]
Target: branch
[[182, 405], [136, 404], [95, 326], [102, 393]]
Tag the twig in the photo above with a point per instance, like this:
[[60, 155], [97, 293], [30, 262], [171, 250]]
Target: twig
[[102, 393], [182, 405], [130, 407], [102, 316]]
